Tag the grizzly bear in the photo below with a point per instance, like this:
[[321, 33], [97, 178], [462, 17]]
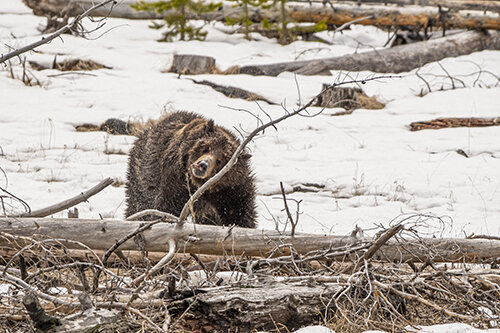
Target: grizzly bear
[[178, 154]]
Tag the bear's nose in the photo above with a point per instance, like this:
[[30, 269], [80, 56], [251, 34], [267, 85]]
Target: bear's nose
[[202, 166]]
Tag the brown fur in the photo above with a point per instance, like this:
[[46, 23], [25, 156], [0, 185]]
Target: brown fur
[[178, 154]]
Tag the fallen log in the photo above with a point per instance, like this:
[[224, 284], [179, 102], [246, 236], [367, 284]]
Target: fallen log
[[380, 15], [258, 307], [454, 122], [217, 240], [234, 92], [401, 58]]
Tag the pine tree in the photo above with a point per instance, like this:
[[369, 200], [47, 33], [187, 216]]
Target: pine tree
[[286, 34], [177, 22], [244, 20]]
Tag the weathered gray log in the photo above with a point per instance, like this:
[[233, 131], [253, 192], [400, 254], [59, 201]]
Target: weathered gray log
[[382, 15], [234, 92], [259, 307], [61, 8], [216, 240], [192, 64], [402, 58]]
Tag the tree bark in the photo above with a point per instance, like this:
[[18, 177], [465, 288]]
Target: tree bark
[[258, 307], [402, 58], [189, 64], [381, 15], [41, 320], [454, 122], [216, 240]]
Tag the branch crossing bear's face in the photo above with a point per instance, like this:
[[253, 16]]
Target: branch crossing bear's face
[[209, 148]]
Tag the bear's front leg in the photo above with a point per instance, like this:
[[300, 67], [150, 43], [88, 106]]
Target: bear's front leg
[[206, 213]]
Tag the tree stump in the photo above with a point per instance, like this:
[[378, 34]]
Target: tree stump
[[192, 64]]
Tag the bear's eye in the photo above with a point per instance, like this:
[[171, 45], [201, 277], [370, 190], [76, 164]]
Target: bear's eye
[[218, 162], [205, 151]]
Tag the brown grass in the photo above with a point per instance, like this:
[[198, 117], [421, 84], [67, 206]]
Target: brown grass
[[70, 65], [369, 102]]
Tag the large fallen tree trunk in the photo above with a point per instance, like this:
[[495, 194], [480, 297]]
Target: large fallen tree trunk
[[203, 239], [382, 16], [402, 58]]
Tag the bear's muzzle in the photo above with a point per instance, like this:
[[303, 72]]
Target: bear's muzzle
[[203, 166]]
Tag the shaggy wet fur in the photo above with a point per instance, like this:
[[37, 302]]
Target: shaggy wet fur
[[161, 172]]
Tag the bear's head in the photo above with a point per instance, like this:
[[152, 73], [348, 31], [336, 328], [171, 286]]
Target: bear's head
[[211, 147]]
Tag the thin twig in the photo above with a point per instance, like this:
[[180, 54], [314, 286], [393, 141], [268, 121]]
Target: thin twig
[[288, 214], [423, 301]]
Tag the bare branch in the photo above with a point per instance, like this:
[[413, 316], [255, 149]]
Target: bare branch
[[288, 214], [56, 34], [165, 260], [69, 202], [348, 24], [169, 217]]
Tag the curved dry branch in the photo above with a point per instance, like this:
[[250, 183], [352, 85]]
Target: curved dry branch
[[69, 202], [165, 260], [154, 212]]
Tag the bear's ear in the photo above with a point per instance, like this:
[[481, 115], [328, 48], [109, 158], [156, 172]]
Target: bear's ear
[[190, 126], [209, 126]]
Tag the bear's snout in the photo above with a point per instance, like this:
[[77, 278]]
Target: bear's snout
[[202, 168]]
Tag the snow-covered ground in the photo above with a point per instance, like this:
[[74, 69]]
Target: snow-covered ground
[[372, 167]]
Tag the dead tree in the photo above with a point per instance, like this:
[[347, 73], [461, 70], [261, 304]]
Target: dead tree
[[402, 58], [216, 240]]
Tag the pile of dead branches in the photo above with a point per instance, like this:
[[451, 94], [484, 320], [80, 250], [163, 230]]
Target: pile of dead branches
[[45, 283]]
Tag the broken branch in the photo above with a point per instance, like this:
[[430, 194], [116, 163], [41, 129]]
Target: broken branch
[[69, 202]]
